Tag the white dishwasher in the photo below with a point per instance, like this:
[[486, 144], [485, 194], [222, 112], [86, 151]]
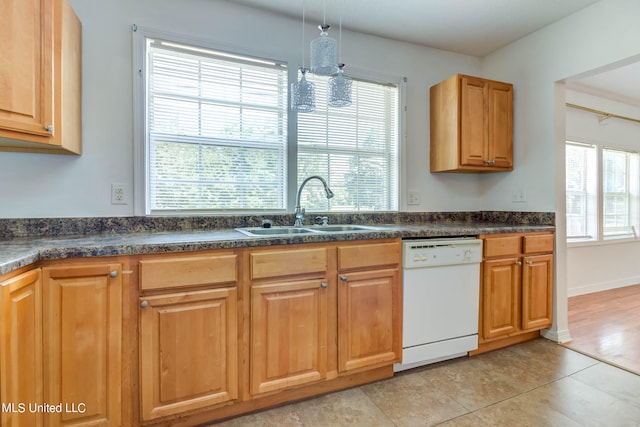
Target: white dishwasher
[[441, 291]]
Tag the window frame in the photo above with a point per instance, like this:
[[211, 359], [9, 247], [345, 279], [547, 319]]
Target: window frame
[[601, 236], [393, 166], [141, 155]]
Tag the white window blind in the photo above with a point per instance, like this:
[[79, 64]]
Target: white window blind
[[581, 189], [354, 148], [216, 130], [620, 180]]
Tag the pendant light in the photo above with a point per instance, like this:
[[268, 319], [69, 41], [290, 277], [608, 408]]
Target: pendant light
[[339, 89], [324, 50], [303, 92], [339, 86]]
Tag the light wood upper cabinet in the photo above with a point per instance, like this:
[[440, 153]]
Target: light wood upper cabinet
[[188, 351], [83, 343], [40, 77], [21, 349], [471, 125]]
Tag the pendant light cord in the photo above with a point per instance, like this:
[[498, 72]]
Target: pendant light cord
[[303, 36], [324, 13]]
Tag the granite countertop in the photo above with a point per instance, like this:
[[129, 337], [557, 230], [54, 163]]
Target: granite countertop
[[16, 252]]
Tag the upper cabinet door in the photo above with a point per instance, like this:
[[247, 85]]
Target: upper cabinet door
[[40, 77], [26, 66], [500, 125], [473, 121]]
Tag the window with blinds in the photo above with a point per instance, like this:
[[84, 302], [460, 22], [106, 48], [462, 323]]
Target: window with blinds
[[216, 130], [354, 148], [581, 188], [620, 181]]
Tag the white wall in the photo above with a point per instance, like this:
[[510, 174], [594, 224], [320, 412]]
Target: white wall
[[39, 185], [593, 267], [602, 34]]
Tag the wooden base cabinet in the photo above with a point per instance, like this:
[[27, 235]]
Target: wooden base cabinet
[[289, 294], [319, 312], [288, 334], [516, 288], [83, 343], [21, 350], [188, 336], [188, 347]]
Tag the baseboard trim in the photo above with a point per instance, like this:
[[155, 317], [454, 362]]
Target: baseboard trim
[[603, 286], [560, 337]]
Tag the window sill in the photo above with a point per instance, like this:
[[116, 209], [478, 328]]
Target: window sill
[[607, 242]]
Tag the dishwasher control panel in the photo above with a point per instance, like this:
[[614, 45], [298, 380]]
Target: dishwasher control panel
[[432, 252]]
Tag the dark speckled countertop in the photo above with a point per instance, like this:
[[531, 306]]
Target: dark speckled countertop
[[21, 245]]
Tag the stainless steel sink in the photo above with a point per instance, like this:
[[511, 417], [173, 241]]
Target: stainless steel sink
[[288, 231], [273, 231], [338, 228]]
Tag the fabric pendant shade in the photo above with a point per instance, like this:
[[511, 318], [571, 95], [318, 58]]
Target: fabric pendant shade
[[324, 53]]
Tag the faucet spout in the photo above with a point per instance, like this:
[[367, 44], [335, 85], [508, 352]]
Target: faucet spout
[[299, 212]]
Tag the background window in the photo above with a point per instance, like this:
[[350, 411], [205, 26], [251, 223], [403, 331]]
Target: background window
[[354, 148], [620, 182], [581, 191], [216, 130], [602, 186]]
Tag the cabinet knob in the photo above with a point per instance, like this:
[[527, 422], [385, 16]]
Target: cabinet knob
[[343, 278], [324, 285], [114, 273], [144, 304], [518, 262], [49, 128], [529, 262]]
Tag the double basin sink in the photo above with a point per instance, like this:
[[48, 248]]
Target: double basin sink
[[287, 231]]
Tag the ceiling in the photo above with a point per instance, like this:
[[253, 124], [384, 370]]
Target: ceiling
[[620, 83], [472, 27]]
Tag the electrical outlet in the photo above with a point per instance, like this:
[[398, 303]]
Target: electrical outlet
[[119, 194], [413, 198]]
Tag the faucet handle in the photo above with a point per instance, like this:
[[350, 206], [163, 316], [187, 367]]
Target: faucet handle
[[323, 219]]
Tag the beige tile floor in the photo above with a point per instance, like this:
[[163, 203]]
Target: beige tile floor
[[537, 383]]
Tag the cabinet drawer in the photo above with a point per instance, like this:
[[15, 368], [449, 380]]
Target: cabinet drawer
[[538, 243], [288, 262], [179, 272], [377, 254], [501, 246]]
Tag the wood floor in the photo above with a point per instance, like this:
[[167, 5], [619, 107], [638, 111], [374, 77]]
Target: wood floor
[[606, 326]]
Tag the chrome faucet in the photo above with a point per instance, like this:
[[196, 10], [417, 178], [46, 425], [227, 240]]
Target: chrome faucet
[[299, 212]]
